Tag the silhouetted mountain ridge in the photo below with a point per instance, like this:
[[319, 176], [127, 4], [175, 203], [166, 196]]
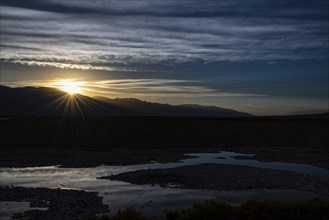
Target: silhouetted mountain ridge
[[44, 101]]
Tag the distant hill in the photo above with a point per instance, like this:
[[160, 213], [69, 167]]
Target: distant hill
[[42, 101], [310, 112], [305, 116]]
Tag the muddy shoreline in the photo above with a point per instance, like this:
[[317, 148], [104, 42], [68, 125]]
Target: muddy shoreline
[[38, 141]]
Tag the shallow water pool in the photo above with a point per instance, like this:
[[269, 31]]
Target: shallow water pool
[[153, 199]]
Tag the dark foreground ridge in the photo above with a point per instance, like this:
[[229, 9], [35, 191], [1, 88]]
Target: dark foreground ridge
[[226, 177], [61, 204], [165, 132]]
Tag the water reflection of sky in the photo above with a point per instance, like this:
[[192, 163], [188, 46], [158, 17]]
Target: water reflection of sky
[[147, 198]]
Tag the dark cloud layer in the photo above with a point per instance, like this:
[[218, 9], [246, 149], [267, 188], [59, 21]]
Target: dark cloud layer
[[164, 31], [304, 9]]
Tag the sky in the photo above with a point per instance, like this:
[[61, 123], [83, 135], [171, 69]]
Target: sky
[[264, 57]]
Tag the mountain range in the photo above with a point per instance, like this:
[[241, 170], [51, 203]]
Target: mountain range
[[44, 101]]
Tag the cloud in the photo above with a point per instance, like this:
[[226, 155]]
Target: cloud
[[111, 35], [159, 88]]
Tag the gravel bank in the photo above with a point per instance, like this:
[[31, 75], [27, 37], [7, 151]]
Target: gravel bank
[[62, 204], [227, 177]]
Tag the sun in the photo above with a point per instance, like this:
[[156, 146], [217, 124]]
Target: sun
[[71, 87]]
